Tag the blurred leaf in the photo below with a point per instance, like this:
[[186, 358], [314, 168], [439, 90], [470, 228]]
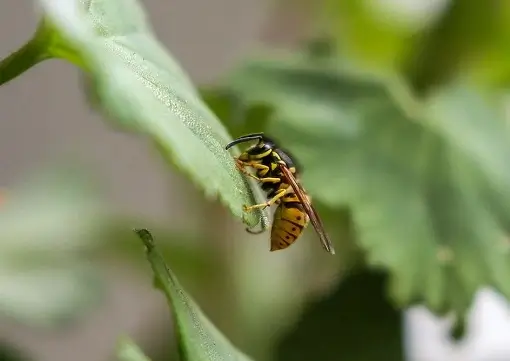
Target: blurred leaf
[[458, 330], [127, 350], [431, 42], [370, 33], [137, 84], [198, 339], [8, 352], [492, 65], [239, 118], [462, 34], [370, 325], [427, 182], [55, 228], [197, 264], [48, 224]]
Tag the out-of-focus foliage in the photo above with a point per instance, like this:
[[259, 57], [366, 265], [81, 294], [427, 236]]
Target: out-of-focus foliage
[[47, 225], [358, 31], [463, 31], [426, 179], [10, 353], [128, 351], [431, 42], [198, 338], [376, 322], [136, 83], [55, 227], [404, 156]]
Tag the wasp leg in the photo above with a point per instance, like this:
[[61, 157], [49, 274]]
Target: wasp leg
[[263, 169], [269, 180], [277, 196], [266, 179], [240, 165]]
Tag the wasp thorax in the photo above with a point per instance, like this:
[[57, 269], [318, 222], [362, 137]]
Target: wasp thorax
[[244, 157]]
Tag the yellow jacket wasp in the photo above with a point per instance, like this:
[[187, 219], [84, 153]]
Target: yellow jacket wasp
[[277, 174]]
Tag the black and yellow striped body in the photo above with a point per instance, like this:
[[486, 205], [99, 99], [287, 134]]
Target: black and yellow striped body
[[289, 218], [277, 175], [289, 221], [263, 159]]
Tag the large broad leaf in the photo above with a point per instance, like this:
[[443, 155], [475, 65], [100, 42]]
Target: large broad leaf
[[48, 226], [198, 339], [428, 183], [137, 84]]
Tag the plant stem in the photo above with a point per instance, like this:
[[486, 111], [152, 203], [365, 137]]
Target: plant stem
[[23, 59], [45, 44]]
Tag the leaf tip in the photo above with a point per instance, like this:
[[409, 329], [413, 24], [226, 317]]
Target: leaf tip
[[127, 350], [146, 238]]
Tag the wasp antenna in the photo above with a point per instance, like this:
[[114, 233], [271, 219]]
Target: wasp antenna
[[245, 138], [251, 135]]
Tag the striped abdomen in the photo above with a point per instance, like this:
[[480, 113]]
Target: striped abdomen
[[288, 223]]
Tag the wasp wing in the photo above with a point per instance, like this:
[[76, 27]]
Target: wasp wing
[[309, 208]]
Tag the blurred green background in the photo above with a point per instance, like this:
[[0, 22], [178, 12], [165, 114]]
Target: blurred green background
[[396, 109]]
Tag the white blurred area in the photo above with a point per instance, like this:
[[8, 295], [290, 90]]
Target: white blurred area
[[487, 334], [407, 12]]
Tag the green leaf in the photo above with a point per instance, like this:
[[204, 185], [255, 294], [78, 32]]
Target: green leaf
[[239, 118], [9, 352], [492, 66], [366, 34], [430, 43], [55, 228], [463, 33], [142, 89], [198, 338], [127, 350], [48, 224], [370, 325], [180, 248], [427, 183]]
